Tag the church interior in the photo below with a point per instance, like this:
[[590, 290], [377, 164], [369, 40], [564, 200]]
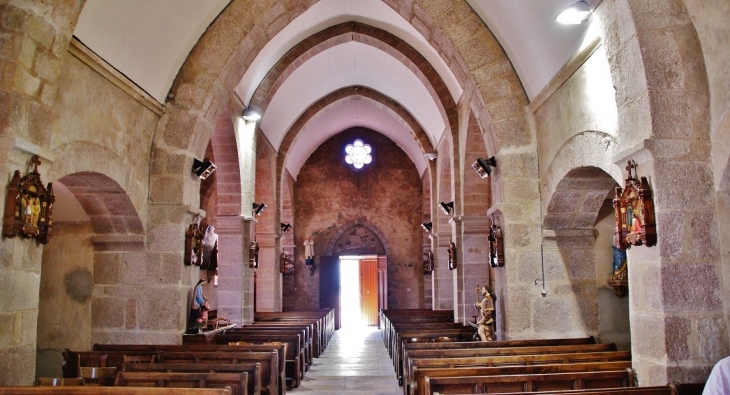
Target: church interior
[[580, 171]]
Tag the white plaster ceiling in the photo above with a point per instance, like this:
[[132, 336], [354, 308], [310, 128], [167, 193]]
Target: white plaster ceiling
[[148, 41]]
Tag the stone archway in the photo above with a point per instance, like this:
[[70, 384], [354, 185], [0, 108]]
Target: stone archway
[[570, 256], [93, 270], [358, 237]]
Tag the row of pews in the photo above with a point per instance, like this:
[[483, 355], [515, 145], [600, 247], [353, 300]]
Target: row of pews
[[266, 357], [432, 355]]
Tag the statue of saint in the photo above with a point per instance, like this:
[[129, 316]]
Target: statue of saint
[[309, 251], [486, 320]]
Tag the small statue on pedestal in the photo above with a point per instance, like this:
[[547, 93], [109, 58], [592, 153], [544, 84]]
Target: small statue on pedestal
[[485, 325]]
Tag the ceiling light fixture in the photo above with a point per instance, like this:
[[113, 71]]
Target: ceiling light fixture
[[483, 167], [574, 14], [446, 207], [250, 115]]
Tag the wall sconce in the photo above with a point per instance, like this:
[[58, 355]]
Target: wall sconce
[[446, 207], [259, 208], [427, 226], [203, 169], [574, 14], [285, 227], [483, 167], [250, 115], [430, 155]]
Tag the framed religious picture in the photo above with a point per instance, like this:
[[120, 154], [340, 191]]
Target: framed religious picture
[[634, 210], [253, 255], [496, 252], [428, 263], [29, 206], [452, 255], [286, 264]]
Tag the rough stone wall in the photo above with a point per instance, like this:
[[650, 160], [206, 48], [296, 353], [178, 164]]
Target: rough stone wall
[[387, 194], [64, 311]]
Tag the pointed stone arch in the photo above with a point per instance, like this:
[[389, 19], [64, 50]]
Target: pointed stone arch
[[355, 223]]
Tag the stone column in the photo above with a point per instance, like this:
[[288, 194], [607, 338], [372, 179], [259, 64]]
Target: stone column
[[443, 279], [268, 275], [473, 267], [35, 38], [235, 277]]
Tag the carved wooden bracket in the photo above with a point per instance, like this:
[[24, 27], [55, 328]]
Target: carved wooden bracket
[[634, 209], [29, 206]]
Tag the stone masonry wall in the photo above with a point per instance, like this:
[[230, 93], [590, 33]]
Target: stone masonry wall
[[387, 194]]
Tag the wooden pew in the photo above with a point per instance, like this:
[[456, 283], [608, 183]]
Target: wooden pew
[[510, 360], [279, 349], [419, 374], [111, 391], [304, 333], [271, 383], [114, 359], [529, 382], [293, 364], [462, 333], [656, 390], [311, 338], [252, 369], [388, 316], [495, 351], [237, 382], [323, 321]]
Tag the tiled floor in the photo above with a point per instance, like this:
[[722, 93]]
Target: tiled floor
[[356, 362]]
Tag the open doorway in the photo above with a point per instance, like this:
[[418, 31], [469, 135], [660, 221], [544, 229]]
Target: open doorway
[[359, 291]]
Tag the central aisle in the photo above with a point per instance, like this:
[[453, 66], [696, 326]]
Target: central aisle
[[355, 362]]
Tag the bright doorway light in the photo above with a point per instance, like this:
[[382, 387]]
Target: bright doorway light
[[351, 315]]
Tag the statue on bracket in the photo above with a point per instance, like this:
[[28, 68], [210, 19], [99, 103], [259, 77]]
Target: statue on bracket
[[253, 254], [28, 206], [496, 251], [428, 263], [634, 209], [194, 243], [452, 256]]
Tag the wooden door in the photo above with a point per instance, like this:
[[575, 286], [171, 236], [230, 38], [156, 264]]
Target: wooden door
[[369, 291], [329, 285]]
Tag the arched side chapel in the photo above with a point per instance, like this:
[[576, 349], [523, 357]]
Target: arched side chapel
[[650, 89]]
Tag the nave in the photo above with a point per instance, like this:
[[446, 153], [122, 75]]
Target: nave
[[355, 363]]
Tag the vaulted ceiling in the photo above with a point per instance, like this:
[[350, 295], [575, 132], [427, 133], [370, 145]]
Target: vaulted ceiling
[[148, 41]]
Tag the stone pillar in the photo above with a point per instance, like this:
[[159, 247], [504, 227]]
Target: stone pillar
[[473, 266], [268, 275], [235, 277], [35, 38], [443, 279]]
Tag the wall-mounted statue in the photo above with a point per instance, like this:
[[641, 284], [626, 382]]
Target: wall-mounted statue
[[193, 254], [210, 252], [309, 253], [634, 210]]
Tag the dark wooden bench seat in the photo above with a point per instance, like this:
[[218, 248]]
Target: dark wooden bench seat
[[512, 360], [304, 333], [529, 382], [271, 383], [81, 390], [419, 374], [460, 333], [294, 361], [497, 351], [157, 348], [236, 382], [324, 318], [73, 359], [252, 369], [655, 390]]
